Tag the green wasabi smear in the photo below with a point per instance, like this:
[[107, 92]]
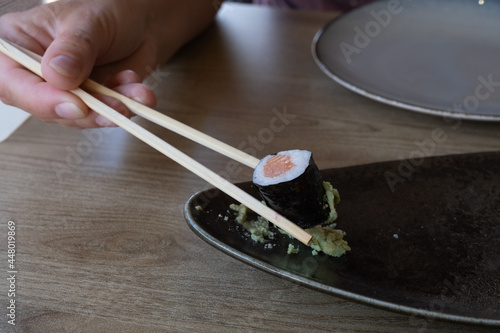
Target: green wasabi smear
[[332, 198], [326, 238], [258, 229]]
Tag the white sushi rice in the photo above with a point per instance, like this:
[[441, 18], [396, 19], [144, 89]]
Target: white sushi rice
[[298, 157]]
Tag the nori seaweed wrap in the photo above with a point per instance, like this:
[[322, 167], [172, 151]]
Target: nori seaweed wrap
[[290, 183]]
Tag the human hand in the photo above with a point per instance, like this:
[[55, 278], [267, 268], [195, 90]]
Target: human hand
[[116, 42]]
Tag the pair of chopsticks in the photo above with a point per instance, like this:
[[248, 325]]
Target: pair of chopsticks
[[32, 61]]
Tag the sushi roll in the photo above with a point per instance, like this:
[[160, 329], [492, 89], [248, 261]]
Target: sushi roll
[[290, 183]]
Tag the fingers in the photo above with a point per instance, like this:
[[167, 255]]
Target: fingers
[[67, 34], [122, 78], [23, 89], [135, 91], [19, 30], [59, 106], [114, 104], [126, 83], [72, 39], [69, 60]]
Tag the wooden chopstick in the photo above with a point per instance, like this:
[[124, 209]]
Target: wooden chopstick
[[211, 177], [163, 120], [174, 125]]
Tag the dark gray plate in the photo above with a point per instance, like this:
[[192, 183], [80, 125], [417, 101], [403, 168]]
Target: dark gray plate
[[435, 57], [425, 237]]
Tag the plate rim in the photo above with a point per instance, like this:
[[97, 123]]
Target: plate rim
[[281, 273], [382, 99]]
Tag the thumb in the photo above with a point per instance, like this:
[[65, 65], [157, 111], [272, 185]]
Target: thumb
[[69, 59]]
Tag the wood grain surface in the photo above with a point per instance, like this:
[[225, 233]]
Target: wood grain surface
[[102, 245]]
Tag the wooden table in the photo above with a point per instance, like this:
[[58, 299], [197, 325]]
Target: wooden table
[[101, 241]]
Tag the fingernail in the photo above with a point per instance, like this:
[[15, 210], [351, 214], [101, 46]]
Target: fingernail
[[69, 111], [65, 65], [138, 99], [104, 122]]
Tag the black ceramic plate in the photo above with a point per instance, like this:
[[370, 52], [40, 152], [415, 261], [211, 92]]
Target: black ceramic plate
[[424, 233]]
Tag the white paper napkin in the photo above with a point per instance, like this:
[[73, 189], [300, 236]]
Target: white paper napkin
[[11, 119]]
